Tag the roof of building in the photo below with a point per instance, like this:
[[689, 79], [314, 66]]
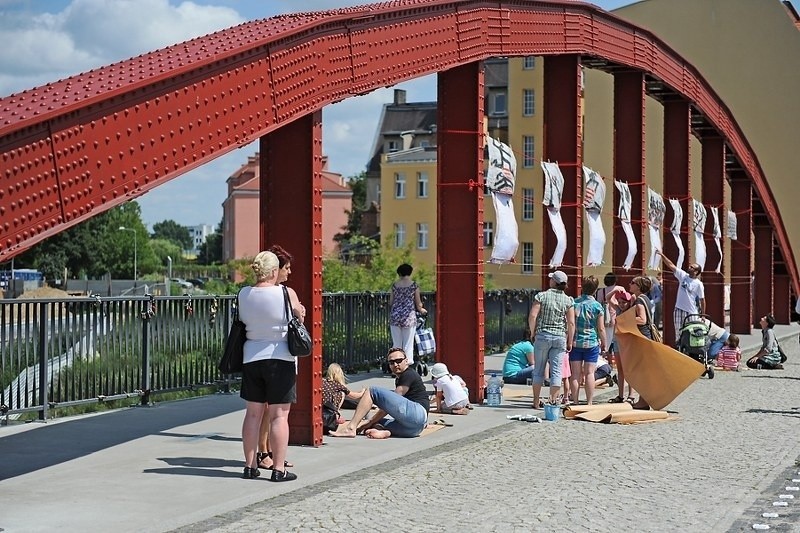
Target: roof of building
[[417, 154], [246, 178]]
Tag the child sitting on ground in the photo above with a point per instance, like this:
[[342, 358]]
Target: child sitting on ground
[[451, 391], [730, 354]]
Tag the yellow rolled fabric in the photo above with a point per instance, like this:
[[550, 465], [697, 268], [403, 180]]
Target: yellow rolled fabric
[[659, 373]]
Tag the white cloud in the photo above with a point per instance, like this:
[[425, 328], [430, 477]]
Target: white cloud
[[39, 47]]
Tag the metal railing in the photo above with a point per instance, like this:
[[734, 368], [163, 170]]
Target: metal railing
[[63, 352]]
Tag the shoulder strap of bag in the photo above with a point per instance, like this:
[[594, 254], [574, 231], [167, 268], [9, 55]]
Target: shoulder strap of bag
[[286, 307], [646, 309], [236, 307]]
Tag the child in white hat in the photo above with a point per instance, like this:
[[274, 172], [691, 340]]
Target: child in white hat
[[451, 391]]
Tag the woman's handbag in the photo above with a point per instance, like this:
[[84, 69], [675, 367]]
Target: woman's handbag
[[300, 343], [330, 418], [233, 354], [654, 332]]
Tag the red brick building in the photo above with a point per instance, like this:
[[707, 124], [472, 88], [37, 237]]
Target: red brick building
[[240, 211]]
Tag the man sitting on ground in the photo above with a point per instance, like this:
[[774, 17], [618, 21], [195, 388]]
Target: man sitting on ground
[[407, 404]]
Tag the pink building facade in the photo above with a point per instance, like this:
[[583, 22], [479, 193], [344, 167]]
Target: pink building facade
[[240, 237]]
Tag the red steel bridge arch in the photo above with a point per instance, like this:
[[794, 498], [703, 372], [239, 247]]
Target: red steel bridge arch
[[74, 148]]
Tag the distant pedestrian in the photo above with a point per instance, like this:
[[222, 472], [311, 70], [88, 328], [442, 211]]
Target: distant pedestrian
[[691, 298], [404, 304], [656, 298]]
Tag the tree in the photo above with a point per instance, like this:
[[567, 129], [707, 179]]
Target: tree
[[378, 272], [96, 247], [170, 230], [210, 252], [357, 184]]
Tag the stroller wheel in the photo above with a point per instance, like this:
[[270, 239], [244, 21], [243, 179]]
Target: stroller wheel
[[710, 373], [704, 373]]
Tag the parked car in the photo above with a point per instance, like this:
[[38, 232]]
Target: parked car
[[182, 283]]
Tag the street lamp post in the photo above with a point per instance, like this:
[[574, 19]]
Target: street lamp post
[[135, 255], [169, 276]]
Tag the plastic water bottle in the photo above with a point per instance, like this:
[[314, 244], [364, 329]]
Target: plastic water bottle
[[494, 391]]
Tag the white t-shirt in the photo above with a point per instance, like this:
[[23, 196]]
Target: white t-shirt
[[263, 312], [715, 332], [689, 291], [452, 388]]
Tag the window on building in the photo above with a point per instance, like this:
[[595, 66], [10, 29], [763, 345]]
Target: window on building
[[399, 185], [399, 235], [527, 258], [527, 151], [392, 146], [527, 204], [422, 236], [528, 103], [488, 233], [528, 62], [422, 184], [378, 193], [499, 107], [424, 144]]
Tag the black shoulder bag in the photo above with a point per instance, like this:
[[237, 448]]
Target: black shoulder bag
[[233, 354], [300, 343]]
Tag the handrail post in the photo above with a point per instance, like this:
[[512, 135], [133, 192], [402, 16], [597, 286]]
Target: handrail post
[[148, 311], [43, 381]]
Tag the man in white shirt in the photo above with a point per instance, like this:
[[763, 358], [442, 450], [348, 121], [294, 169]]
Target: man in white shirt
[[691, 299]]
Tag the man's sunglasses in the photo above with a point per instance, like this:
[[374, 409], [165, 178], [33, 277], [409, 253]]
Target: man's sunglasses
[[396, 361]]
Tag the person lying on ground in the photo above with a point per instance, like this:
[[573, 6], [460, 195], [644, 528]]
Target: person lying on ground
[[407, 405], [451, 396]]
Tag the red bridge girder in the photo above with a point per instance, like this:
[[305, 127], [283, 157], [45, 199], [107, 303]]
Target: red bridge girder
[[79, 146]]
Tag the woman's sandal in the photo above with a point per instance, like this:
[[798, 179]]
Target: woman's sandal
[[264, 455], [618, 399]]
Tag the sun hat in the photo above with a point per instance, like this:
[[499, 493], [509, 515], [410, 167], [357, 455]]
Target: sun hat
[[439, 370], [558, 276]]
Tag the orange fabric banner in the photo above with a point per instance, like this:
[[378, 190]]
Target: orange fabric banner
[[657, 372]]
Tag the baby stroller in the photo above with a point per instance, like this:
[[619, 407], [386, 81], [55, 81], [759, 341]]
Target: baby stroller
[[694, 341]]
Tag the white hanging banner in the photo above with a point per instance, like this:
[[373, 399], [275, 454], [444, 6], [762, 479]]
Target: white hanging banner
[[732, 227], [675, 229], [553, 185], [624, 214], [594, 196], [656, 210], [506, 239], [560, 232], [699, 219], [553, 190], [502, 170], [717, 236]]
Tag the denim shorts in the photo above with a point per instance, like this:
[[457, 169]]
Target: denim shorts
[[552, 348], [408, 418], [587, 355]]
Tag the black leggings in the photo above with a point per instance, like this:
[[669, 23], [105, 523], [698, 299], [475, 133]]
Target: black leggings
[[760, 364]]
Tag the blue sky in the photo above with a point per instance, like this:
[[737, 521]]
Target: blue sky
[[44, 41]]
